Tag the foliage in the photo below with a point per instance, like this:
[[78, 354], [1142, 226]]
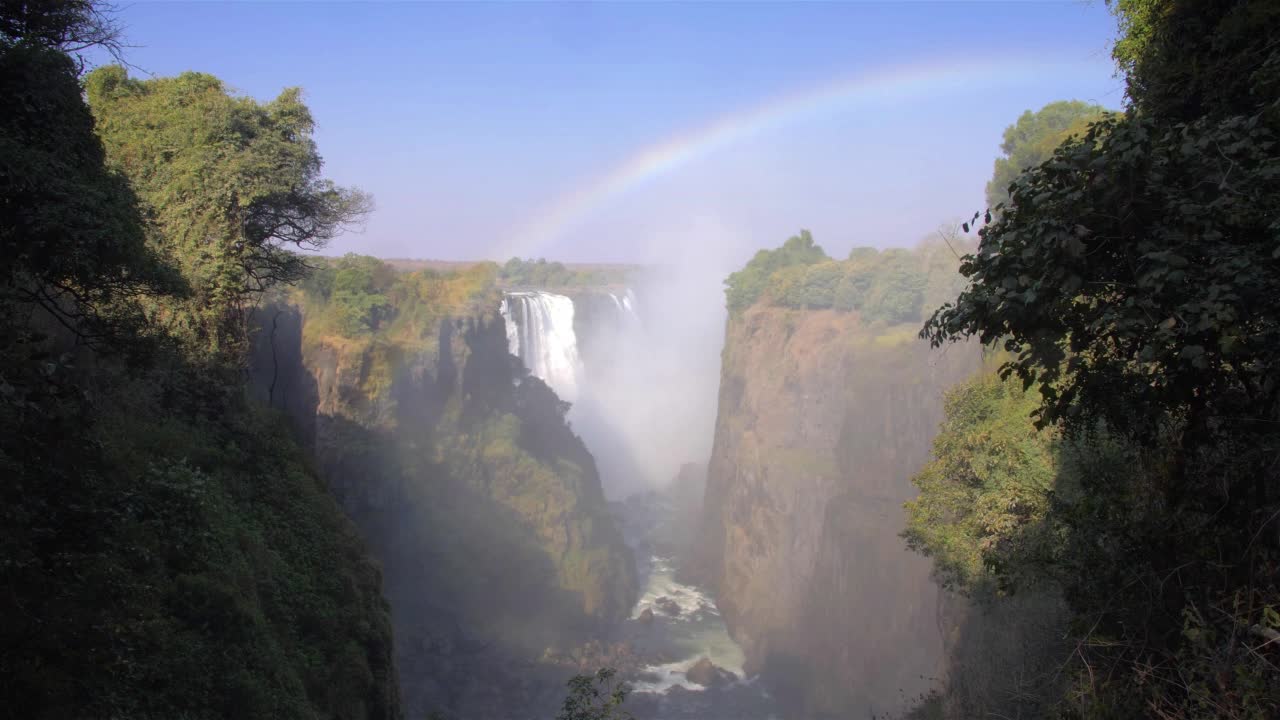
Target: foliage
[[542, 274], [69, 229], [1148, 293], [1132, 279], [231, 186], [167, 553], [174, 573], [595, 697], [354, 288], [990, 479], [1032, 139], [1186, 60], [68, 26], [896, 292], [433, 417], [358, 296], [746, 285], [884, 286]]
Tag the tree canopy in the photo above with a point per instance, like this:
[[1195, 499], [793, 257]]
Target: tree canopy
[[746, 285], [74, 239], [1130, 279], [542, 273], [1032, 139], [232, 186], [167, 551], [888, 286]]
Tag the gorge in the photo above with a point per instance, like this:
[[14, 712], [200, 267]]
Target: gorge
[[514, 437], [1024, 468]]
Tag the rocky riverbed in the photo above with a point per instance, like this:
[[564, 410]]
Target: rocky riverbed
[[683, 664]]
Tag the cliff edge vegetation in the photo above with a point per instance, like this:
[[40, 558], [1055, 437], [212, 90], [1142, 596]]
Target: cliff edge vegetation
[[883, 286], [824, 415], [483, 506], [168, 551], [1124, 464]]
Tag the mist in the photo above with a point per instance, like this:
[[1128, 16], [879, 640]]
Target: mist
[[518, 361], [647, 388]]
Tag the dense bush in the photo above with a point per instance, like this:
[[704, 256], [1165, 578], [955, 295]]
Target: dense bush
[[167, 551], [990, 478], [231, 187], [886, 286], [745, 286], [542, 274], [362, 296], [1033, 138], [1131, 279]]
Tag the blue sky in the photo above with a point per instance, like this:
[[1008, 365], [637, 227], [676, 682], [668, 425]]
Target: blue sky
[[469, 122]]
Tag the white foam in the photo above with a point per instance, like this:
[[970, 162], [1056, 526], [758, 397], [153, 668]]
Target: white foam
[[662, 583], [540, 332]]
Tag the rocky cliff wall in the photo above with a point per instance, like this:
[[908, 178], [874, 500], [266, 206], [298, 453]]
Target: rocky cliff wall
[[483, 507], [821, 424]]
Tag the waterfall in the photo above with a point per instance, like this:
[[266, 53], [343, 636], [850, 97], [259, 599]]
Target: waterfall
[[540, 332], [594, 351], [513, 329], [626, 306]]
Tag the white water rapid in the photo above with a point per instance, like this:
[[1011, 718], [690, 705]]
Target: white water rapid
[[675, 625], [596, 351], [694, 629]]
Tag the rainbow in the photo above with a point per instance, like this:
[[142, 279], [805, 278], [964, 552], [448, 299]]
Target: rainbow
[[891, 85]]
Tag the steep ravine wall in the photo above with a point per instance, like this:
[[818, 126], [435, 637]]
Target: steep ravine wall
[[483, 507], [821, 424]]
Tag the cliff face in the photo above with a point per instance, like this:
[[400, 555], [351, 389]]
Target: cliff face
[[822, 423], [483, 507]]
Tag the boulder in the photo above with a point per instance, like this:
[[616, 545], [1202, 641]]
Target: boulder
[[646, 616], [708, 674], [667, 605]]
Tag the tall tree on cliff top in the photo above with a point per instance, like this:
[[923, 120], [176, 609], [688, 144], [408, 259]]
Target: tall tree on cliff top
[[69, 228], [233, 188], [746, 285], [1033, 138], [1133, 279]]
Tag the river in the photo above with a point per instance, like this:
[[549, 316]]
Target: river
[[675, 625]]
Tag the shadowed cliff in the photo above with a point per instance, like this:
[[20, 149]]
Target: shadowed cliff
[[482, 505]]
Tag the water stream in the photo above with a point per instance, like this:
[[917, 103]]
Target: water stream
[[675, 624]]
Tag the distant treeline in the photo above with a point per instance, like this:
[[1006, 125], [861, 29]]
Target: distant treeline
[[891, 286], [543, 274], [360, 295]]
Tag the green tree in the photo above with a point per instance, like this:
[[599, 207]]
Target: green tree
[[356, 293], [69, 228], [989, 481], [540, 273], [232, 187], [167, 552], [1032, 139], [1185, 60], [745, 286], [851, 291], [819, 284], [1132, 281], [67, 26], [595, 697], [896, 292], [886, 287]]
